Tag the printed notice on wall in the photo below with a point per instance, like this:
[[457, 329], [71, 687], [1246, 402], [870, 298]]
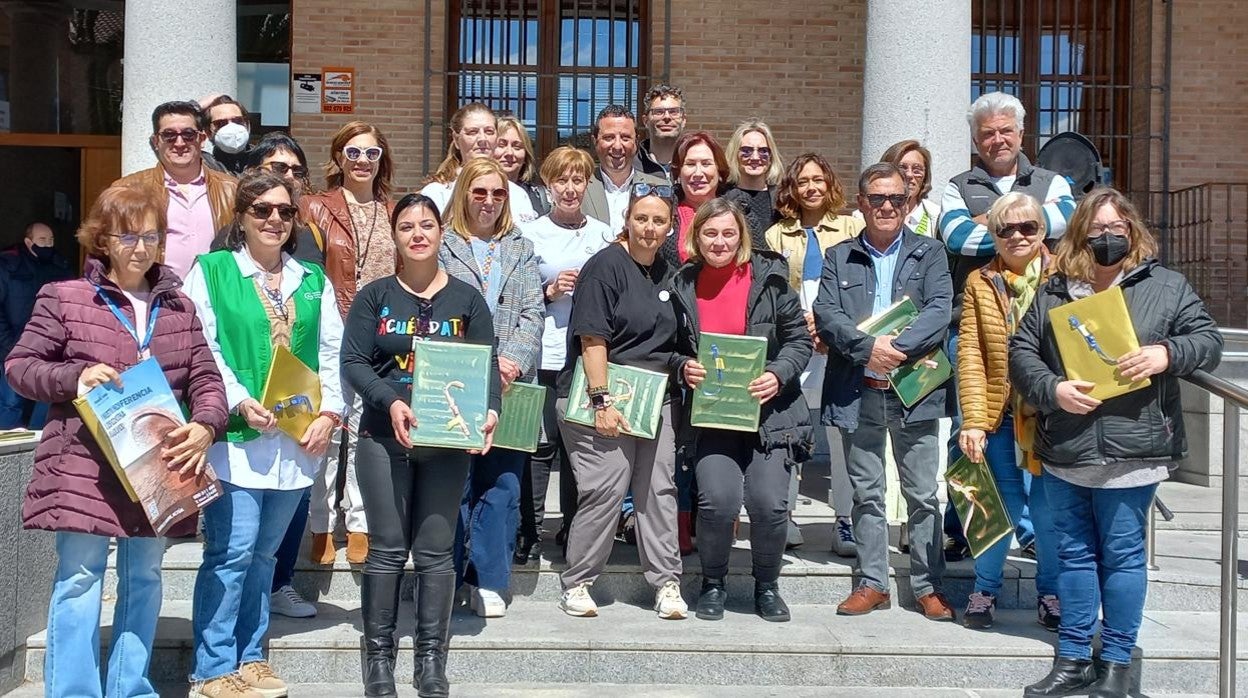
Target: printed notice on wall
[[305, 90], [338, 90]]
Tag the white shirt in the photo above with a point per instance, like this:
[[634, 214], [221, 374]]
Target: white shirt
[[274, 461], [521, 207], [617, 199], [559, 249]]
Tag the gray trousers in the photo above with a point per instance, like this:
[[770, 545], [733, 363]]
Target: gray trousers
[[918, 464], [605, 471]]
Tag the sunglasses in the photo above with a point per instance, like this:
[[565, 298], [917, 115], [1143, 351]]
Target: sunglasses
[[221, 123], [1027, 228], [170, 136], [281, 168], [747, 152], [131, 240], [877, 200], [262, 211], [480, 194], [641, 189], [372, 154]]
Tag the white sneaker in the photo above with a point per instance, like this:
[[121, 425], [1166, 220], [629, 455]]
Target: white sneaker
[[577, 602], [487, 604], [287, 602], [669, 603]]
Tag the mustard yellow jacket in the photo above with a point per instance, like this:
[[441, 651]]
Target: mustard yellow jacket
[[789, 239]]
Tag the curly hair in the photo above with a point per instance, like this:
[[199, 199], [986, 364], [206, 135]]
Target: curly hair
[[789, 201], [118, 210]]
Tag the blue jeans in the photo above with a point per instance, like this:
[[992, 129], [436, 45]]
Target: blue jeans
[[489, 514], [1020, 494], [242, 531], [1102, 565], [288, 551], [71, 666]]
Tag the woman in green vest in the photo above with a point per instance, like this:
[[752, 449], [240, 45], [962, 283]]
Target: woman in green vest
[[253, 297]]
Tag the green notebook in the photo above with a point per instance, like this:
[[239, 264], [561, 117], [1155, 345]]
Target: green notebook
[[450, 393], [723, 400], [637, 393], [521, 421], [914, 381], [980, 508]]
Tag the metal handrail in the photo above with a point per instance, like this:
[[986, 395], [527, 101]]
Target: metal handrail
[[1234, 398]]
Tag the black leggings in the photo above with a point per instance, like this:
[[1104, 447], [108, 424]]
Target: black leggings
[[730, 469], [412, 499], [537, 471]]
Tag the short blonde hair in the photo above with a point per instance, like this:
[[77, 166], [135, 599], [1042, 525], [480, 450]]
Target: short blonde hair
[[530, 160], [714, 208], [774, 172], [1016, 202], [1074, 260], [457, 211], [564, 158]]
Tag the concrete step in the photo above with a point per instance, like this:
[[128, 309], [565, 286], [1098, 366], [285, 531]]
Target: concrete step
[[628, 645]]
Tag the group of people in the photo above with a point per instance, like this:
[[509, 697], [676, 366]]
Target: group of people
[[621, 259]]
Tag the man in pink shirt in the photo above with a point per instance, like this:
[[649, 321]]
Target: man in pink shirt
[[199, 201]]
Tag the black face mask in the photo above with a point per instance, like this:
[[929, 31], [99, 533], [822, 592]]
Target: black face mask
[[41, 253], [1109, 249]]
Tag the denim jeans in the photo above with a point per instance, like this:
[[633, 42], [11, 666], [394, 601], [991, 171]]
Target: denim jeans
[[71, 666], [230, 612], [1020, 494], [288, 551], [489, 514], [1102, 565], [914, 448]]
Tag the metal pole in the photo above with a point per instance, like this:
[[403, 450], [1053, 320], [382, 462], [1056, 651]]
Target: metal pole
[[1230, 545]]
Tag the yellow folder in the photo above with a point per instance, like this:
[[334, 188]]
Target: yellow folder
[[1092, 334], [292, 392]]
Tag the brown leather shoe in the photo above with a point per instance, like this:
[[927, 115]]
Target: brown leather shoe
[[863, 601], [357, 547], [322, 551], [936, 607]]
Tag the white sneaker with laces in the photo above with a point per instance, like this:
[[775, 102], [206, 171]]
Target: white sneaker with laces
[[577, 602], [487, 604], [287, 602], [669, 603]]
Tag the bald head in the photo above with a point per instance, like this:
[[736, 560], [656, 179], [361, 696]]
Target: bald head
[[39, 234]]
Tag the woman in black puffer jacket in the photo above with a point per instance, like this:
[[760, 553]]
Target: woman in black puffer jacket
[[1103, 460], [724, 288]]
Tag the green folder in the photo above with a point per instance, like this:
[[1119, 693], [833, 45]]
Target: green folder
[[978, 502], [914, 381], [521, 421], [637, 393], [450, 393], [723, 400]]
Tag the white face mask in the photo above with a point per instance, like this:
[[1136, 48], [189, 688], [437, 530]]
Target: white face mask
[[232, 138]]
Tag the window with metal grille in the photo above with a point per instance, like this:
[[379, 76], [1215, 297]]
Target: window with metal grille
[[552, 63]]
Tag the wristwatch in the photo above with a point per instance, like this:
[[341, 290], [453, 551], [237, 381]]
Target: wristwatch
[[599, 398]]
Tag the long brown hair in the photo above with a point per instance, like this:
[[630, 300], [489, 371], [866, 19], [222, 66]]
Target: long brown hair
[[385, 166], [897, 151], [1074, 259], [789, 202]]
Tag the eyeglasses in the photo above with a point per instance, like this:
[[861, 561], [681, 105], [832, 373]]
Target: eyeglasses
[[1119, 227], [170, 136], [221, 123], [372, 154], [131, 240], [877, 200], [1027, 228], [281, 168], [262, 211], [747, 152], [480, 194], [916, 170], [660, 112], [641, 189]]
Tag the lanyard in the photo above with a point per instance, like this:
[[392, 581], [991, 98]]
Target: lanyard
[[125, 321]]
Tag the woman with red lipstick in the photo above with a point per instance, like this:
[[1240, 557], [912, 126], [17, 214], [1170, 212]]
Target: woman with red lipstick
[[700, 169], [412, 494]]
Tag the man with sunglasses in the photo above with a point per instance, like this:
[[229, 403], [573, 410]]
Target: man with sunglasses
[[665, 120], [615, 142], [229, 132], [861, 278], [199, 201]]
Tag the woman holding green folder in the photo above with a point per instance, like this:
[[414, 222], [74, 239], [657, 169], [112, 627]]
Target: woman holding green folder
[[727, 289]]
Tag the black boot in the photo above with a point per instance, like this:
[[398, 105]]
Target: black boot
[[379, 597], [768, 604], [1068, 677], [1115, 681], [435, 597], [711, 599]]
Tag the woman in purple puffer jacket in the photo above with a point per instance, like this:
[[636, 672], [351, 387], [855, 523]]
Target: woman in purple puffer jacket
[[84, 333]]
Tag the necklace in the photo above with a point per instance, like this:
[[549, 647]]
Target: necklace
[[362, 257], [274, 295], [571, 226], [485, 266], [645, 270]]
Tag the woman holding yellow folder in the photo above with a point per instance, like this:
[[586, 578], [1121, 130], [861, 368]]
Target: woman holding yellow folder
[[1104, 459]]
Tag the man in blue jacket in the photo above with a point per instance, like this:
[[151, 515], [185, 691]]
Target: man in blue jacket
[[862, 277], [24, 269]]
